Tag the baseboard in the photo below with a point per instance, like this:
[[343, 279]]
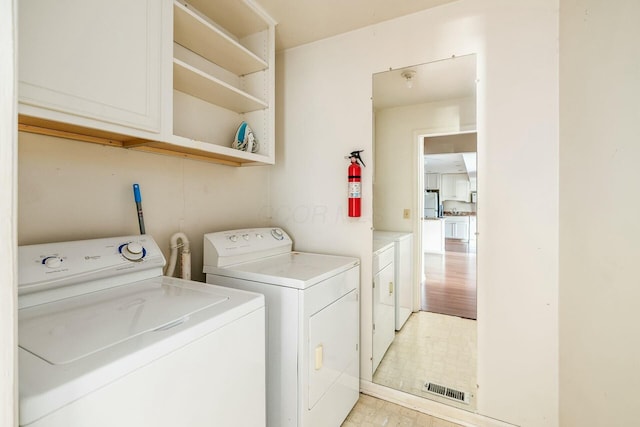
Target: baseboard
[[430, 407]]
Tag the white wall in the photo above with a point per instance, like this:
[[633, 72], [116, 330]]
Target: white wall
[[395, 173], [599, 178], [74, 190], [8, 222], [325, 112]]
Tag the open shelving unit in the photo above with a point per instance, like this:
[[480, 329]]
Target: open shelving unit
[[223, 66]]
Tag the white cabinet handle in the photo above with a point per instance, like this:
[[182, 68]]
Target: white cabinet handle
[[390, 288]]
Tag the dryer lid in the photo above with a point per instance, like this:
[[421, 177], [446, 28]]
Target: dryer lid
[[70, 329], [299, 270]]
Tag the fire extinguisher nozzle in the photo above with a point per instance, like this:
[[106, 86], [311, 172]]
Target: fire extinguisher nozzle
[[356, 156]]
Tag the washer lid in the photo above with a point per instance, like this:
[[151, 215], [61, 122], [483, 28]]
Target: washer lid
[[295, 269], [67, 330]]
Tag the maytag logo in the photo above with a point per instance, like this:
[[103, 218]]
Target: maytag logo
[[94, 257]]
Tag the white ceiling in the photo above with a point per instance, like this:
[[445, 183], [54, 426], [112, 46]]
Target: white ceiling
[[451, 163], [451, 78], [305, 21]]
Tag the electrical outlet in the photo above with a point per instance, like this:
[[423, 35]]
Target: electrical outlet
[[406, 214]]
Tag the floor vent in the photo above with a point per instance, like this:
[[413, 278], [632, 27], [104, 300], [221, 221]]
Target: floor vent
[[450, 393]]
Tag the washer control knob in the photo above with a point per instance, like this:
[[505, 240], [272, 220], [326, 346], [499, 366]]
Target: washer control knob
[[259, 236], [134, 248], [277, 234], [52, 262], [245, 236], [233, 238], [133, 251]]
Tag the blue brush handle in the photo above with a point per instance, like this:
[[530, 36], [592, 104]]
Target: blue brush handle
[[138, 199], [136, 193]]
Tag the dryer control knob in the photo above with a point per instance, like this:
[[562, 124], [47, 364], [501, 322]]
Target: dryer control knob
[[133, 251], [245, 236], [233, 238], [52, 262]]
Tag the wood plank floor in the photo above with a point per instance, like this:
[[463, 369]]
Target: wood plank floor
[[450, 282]]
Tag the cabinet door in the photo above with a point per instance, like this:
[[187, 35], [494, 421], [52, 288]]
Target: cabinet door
[[449, 230], [91, 59], [432, 181], [448, 187], [462, 188], [462, 231]]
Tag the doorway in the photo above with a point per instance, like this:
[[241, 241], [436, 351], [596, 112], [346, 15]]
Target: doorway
[[449, 243]]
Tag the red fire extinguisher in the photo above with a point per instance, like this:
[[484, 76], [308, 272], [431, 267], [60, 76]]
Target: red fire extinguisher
[[355, 187]]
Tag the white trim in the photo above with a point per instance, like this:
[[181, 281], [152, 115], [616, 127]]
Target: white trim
[[8, 222], [418, 256], [433, 133], [430, 407]]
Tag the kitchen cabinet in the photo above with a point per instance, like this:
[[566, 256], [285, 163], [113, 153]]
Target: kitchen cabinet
[[383, 299], [473, 184], [432, 181], [167, 77], [457, 227], [455, 186]]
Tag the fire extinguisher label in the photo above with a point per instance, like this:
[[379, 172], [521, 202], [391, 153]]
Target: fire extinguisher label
[[354, 190]]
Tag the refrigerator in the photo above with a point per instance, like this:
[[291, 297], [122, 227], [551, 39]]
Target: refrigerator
[[431, 204]]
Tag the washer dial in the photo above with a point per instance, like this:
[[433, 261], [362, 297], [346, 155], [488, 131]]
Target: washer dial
[[277, 234], [52, 262], [133, 251]]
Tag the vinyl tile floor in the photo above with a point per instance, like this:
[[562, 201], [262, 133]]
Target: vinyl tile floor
[[372, 412], [432, 347]]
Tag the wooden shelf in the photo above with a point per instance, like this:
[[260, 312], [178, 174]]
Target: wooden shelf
[[202, 37], [177, 146], [199, 150], [194, 82]]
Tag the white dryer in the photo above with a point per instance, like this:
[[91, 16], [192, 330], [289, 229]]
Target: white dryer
[[312, 321], [106, 340], [403, 265]]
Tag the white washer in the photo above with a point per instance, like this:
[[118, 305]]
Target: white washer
[[106, 340], [312, 321]]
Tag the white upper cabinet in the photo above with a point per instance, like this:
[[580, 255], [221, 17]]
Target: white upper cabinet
[[432, 181], [455, 186], [91, 62], [163, 76]]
